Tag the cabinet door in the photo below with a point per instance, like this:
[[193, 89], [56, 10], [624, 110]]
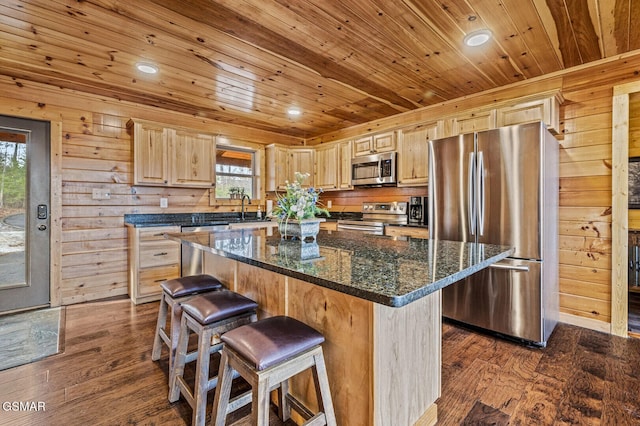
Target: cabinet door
[[384, 142], [546, 110], [327, 167], [301, 160], [192, 158], [150, 154], [413, 154], [474, 122], [345, 165], [277, 167], [363, 146]]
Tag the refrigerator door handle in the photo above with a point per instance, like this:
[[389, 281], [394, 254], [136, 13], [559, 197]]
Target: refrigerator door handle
[[481, 193], [471, 201], [517, 268]]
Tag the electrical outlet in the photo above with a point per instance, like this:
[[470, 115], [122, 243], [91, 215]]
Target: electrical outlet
[[329, 204], [164, 203], [100, 194]]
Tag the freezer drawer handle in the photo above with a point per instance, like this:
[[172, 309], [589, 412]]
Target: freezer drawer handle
[[519, 268]]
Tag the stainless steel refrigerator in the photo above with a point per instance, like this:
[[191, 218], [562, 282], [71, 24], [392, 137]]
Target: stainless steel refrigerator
[[501, 187]]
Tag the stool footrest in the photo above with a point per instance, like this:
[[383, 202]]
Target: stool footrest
[[299, 407]]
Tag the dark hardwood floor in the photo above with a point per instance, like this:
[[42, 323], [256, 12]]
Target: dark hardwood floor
[[106, 377]]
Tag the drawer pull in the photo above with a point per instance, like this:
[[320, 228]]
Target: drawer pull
[[164, 253], [160, 280]]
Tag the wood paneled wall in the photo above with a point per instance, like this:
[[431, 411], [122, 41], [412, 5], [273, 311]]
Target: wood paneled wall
[[96, 154]]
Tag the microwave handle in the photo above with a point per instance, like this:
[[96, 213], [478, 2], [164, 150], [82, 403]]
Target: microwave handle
[[380, 168]]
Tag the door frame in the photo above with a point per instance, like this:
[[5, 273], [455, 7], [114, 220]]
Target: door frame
[[620, 207], [21, 109]]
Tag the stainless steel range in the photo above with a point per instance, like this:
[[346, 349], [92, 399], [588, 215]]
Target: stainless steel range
[[375, 216]]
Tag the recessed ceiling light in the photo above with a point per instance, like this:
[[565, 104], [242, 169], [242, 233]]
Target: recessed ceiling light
[[147, 67], [294, 111], [476, 38]]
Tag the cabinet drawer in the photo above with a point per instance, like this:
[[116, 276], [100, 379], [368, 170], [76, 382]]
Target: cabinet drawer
[[159, 253], [156, 233], [151, 278]]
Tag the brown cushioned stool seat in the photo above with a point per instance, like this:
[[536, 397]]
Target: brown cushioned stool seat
[[208, 315], [266, 354], [186, 286], [173, 292]]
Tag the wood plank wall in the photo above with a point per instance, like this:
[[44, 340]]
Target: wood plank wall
[[585, 202], [97, 154]]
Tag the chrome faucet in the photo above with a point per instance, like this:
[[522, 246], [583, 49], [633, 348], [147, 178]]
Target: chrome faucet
[[242, 203]]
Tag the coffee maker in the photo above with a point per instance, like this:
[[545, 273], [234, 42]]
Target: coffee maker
[[416, 211]]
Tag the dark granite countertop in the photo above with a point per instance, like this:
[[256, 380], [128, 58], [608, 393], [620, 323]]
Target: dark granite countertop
[[392, 272], [205, 219], [186, 219]]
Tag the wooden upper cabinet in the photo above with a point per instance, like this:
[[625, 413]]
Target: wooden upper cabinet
[[546, 110], [165, 156], [150, 143], [302, 160], [372, 144], [327, 169], [277, 167], [413, 153], [469, 123], [282, 163], [192, 157], [344, 177]]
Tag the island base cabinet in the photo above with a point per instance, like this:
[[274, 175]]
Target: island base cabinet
[[345, 322], [407, 345], [383, 363]]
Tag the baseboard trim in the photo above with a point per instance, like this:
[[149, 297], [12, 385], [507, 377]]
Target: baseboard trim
[[583, 322]]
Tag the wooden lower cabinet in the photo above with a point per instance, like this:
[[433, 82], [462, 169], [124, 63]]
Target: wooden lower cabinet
[[406, 231], [152, 259], [329, 226], [383, 370]]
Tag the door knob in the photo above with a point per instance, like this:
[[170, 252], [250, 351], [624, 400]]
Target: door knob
[[42, 227]]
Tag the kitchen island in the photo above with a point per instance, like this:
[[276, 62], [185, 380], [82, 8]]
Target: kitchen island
[[376, 299]]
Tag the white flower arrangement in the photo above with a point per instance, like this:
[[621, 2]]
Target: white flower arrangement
[[299, 203]]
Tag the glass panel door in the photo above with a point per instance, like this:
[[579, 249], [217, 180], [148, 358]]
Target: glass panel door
[[24, 213], [13, 191]]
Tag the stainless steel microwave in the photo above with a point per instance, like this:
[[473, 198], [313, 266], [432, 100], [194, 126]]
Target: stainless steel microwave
[[375, 169]]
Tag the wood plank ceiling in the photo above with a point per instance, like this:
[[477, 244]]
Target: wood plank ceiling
[[341, 62]]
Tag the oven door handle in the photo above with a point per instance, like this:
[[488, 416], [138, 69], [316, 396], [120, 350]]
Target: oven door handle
[[360, 228]]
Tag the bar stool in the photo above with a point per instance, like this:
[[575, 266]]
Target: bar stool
[[207, 315], [266, 354], [173, 292]]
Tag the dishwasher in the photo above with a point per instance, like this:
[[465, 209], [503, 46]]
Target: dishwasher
[[191, 257]]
